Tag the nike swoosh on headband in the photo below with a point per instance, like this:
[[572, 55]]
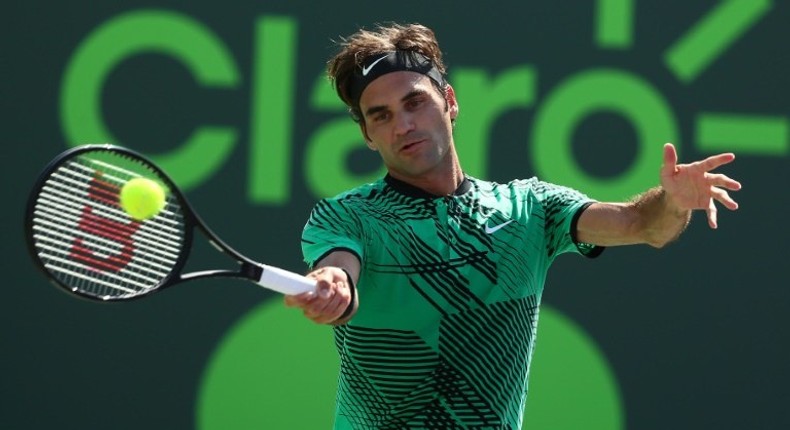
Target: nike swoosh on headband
[[366, 70]]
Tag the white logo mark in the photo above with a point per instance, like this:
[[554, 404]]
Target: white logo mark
[[366, 70], [492, 230]]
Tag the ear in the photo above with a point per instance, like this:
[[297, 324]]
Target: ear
[[452, 102]]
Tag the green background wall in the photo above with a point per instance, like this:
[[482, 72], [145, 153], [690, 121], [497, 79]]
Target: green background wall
[[583, 93]]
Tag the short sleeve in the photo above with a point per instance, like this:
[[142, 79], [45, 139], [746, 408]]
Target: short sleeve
[[332, 226], [562, 207]]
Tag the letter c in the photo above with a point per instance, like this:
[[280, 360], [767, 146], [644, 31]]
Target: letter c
[[148, 31]]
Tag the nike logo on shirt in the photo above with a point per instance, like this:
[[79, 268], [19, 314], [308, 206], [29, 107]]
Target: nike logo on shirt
[[494, 229]]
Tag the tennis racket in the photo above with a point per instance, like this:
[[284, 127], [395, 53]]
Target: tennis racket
[[87, 244]]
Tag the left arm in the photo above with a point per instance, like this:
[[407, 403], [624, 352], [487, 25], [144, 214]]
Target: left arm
[[660, 215]]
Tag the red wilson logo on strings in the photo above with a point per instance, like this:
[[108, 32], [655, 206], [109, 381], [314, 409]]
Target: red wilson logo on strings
[[94, 224]]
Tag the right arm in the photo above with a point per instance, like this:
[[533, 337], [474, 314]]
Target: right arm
[[331, 303]]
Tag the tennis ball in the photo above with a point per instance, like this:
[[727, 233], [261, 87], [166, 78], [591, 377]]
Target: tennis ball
[[142, 198]]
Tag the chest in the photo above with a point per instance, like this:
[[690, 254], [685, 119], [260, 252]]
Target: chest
[[448, 255]]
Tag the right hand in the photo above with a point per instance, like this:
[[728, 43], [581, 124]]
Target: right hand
[[329, 300]]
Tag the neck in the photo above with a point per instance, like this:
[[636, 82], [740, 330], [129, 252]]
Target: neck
[[439, 182]]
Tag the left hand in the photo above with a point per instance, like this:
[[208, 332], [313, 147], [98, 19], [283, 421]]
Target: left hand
[[692, 186]]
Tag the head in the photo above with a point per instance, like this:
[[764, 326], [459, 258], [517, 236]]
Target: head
[[415, 43], [393, 81]]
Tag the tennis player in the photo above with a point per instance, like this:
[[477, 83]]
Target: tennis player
[[433, 278]]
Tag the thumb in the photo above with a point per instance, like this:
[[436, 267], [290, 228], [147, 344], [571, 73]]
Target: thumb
[[323, 289], [670, 160]]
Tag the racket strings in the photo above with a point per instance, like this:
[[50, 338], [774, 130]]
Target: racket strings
[[161, 241], [85, 239]]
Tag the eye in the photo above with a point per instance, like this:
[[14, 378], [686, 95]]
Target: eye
[[381, 116], [415, 102]]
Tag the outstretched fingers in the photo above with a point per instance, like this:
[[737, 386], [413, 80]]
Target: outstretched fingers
[[715, 161], [723, 181], [693, 186], [712, 212], [724, 198]]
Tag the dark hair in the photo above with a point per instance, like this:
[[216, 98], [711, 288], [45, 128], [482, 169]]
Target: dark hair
[[360, 46]]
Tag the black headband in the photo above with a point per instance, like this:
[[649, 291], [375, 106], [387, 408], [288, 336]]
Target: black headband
[[388, 62]]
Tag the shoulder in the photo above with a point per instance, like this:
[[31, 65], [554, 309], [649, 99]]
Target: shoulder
[[520, 191], [359, 195], [345, 211], [546, 190]]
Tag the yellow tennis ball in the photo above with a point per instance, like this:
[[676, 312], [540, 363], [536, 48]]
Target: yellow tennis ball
[[142, 198]]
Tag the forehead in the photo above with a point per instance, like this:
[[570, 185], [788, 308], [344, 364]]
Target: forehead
[[392, 87]]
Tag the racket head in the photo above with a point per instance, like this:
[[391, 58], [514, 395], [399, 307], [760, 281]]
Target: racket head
[[82, 239]]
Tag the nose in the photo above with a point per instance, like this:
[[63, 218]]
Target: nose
[[404, 123]]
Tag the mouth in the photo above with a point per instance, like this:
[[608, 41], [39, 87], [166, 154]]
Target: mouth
[[411, 145]]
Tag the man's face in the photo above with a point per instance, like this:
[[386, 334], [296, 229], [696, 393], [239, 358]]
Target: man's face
[[409, 123]]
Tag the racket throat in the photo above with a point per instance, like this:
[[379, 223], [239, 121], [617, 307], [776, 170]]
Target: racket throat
[[252, 271]]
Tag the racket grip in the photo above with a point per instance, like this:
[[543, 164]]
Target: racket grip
[[285, 282]]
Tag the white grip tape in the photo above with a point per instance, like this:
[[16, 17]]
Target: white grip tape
[[285, 282]]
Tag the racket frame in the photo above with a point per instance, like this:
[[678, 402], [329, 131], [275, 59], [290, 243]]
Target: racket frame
[[248, 269]]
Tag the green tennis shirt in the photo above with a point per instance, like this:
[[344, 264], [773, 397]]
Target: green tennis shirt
[[448, 297]]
